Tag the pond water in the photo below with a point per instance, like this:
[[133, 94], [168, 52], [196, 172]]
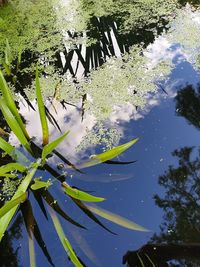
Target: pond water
[[160, 191]]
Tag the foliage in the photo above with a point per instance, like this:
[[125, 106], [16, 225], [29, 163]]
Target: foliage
[[132, 14], [184, 31], [29, 26], [188, 105], [181, 198], [27, 173]]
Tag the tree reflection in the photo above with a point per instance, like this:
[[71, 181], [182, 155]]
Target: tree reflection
[[188, 105], [179, 237], [9, 254]]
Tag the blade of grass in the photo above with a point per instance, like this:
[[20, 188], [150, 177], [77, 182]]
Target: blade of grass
[[152, 263], [43, 119], [90, 214], [7, 95], [66, 244], [78, 194], [14, 125], [116, 219], [5, 146], [12, 203], [31, 252], [33, 229], [105, 156], [51, 146], [40, 202], [13, 152], [54, 205], [11, 167], [5, 220], [140, 260]]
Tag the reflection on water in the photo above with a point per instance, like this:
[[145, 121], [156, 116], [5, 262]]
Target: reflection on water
[[157, 123], [9, 254]]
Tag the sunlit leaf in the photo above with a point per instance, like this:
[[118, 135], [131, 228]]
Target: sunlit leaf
[[78, 194], [51, 146], [12, 203], [105, 156], [11, 167], [14, 125], [67, 246], [5, 220], [7, 95], [116, 219], [31, 252], [38, 184], [43, 119], [5, 146]]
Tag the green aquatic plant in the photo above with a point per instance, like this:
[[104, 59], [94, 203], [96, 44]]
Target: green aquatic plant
[[24, 168]]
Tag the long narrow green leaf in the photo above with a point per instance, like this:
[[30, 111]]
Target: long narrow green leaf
[[31, 251], [97, 159], [78, 194], [116, 219], [11, 104], [11, 167], [12, 203], [14, 153], [150, 260], [67, 246], [5, 220], [51, 146], [140, 260], [43, 119], [34, 230], [5, 146], [14, 125]]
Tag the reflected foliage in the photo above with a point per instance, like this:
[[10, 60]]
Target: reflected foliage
[[181, 201], [188, 105], [178, 243], [152, 255], [9, 254]]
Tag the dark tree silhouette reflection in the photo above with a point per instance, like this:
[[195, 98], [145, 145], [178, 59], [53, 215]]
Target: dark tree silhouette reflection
[[188, 105], [9, 254], [178, 243], [181, 200]]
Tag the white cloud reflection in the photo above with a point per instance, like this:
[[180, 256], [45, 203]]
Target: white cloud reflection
[[70, 118]]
